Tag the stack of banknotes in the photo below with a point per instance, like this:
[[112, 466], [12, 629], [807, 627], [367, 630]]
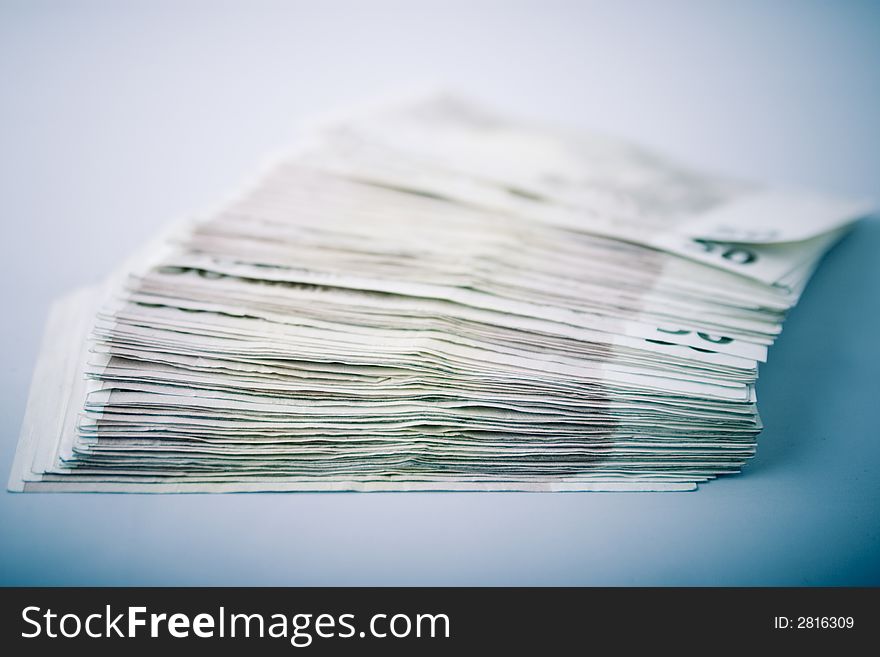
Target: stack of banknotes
[[426, 295]]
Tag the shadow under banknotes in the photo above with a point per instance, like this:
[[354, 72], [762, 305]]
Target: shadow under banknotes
[[822, 371]]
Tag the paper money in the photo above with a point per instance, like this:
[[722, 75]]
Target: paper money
[[428, 296]]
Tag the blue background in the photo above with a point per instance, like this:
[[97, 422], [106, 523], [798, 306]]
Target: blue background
[[116, 117]]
